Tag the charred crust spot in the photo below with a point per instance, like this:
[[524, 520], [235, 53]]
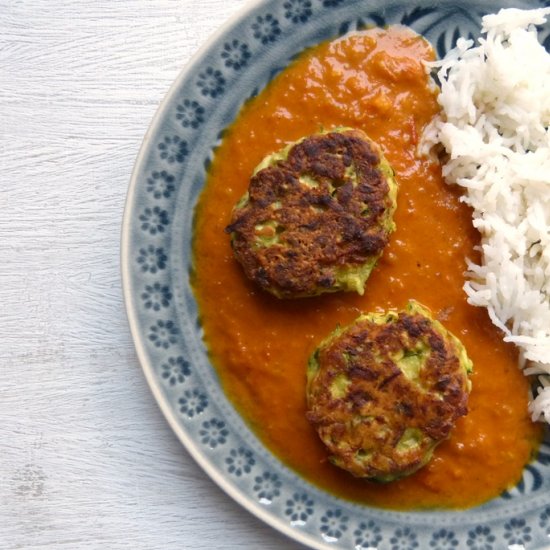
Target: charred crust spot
[[406, 409], [334, 203], [413, 326], [381, 402], [388, 379], [361, 372], [359, 398]]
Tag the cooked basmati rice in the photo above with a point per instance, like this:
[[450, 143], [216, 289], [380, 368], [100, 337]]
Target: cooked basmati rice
[[495, 100]]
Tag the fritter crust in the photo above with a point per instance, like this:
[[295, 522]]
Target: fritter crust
[[317, 220], [383, 392]]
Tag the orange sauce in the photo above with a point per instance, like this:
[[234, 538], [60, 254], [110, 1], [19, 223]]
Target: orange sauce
[[260, 345]]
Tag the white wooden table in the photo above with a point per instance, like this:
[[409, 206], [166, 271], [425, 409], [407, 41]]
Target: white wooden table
[[86, 459]]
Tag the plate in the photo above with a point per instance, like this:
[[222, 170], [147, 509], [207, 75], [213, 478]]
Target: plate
[[156, 241]]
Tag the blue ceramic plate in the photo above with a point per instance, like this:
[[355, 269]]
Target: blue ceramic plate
[[156, 252]]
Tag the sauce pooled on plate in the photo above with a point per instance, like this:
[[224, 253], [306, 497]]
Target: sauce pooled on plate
[[374, 81]]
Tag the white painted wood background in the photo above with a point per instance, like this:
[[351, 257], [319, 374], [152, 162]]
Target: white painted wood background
[[86, 459]]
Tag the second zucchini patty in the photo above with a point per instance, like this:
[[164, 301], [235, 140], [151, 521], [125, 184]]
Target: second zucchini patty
[[384, 391]]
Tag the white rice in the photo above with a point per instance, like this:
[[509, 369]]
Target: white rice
[[495, 99]]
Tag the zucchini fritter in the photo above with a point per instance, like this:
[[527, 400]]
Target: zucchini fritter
[[384, 391], [316, 216]]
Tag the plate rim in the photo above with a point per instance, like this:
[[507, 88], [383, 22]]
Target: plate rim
[[125, 237]]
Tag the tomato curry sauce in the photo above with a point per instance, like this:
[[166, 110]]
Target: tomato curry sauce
[[376, 81]]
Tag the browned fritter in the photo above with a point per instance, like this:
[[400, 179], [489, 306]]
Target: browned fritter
[[385, 391], [317, 220]]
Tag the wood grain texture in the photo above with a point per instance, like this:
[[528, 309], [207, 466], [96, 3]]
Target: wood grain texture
[[86, 458]]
